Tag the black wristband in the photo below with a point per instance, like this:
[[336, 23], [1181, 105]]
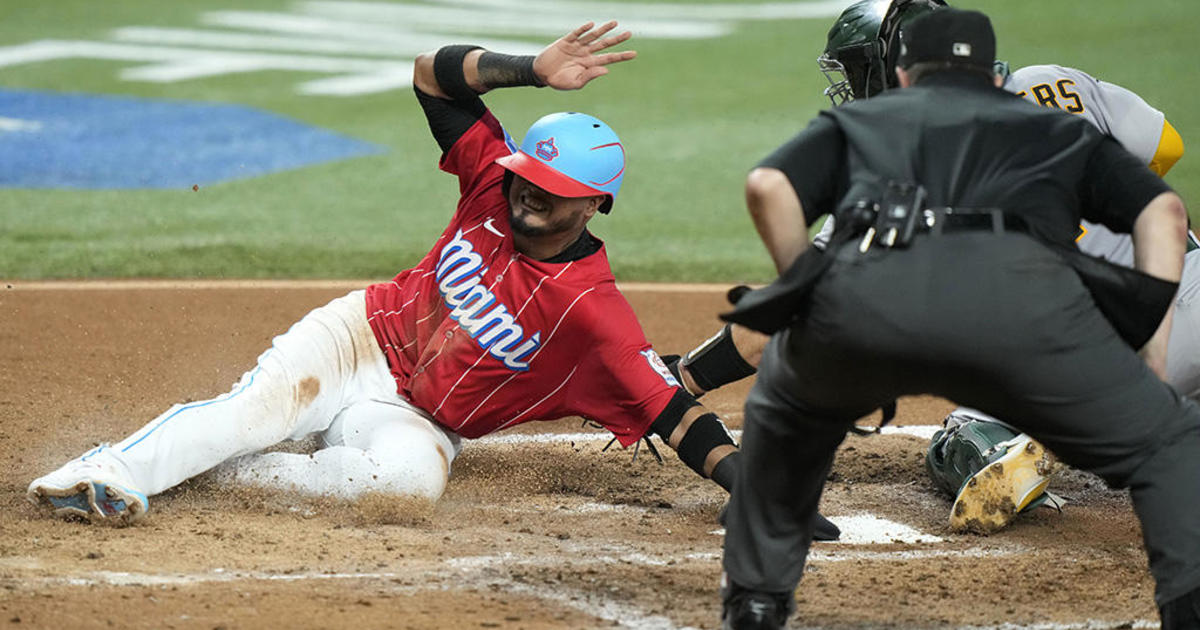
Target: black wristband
[[448, 71], [726, 471], [501, 70]]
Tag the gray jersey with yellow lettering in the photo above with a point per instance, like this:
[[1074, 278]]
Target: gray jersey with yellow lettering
[[1114, 110]]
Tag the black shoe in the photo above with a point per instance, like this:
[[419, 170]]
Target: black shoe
[[753, 610], [824, 529]]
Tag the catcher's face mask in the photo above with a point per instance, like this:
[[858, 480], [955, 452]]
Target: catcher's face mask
[[853, 72]]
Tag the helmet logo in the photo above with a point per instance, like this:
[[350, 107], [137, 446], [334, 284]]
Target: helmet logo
[[546, 149]]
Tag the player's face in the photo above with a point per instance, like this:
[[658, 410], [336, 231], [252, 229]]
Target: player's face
[[537, 212]]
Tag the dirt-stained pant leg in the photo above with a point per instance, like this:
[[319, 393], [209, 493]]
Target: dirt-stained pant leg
[[325, 362]]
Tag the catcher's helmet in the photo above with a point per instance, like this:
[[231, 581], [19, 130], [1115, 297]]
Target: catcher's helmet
[[861, 48], [571, 155]]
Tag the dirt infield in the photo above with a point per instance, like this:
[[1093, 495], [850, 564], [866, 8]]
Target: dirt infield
[[534, 531]]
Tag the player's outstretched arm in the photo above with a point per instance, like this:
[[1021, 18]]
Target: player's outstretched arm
[[699, 437], [573, 60], [569, 63]]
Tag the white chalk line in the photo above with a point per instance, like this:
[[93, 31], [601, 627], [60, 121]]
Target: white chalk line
[[923, 431], [481, 573], [485, 572]]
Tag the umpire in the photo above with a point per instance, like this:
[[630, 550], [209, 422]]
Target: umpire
[[951, 273]]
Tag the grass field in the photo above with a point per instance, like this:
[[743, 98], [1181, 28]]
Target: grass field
[[694, 114]]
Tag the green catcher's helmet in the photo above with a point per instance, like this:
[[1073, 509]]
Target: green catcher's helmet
[[861, 48]]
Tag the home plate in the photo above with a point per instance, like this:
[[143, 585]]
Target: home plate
[[865, 529]]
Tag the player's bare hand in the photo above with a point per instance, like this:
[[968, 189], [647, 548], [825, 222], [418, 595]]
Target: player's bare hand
[[573, 60]]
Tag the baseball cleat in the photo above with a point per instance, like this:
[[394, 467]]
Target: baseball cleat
[[751, 610], [994, 496], [88, 489]]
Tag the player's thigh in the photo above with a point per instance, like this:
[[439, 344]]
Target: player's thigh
[[324, 362], [392, 430]]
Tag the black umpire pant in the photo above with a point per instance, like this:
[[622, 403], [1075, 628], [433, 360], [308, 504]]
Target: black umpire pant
[[991, 321]]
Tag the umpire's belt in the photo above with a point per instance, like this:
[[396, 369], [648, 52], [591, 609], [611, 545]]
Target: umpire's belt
[[947, 220]]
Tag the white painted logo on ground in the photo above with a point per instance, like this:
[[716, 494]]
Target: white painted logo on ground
[[369, 47], [16, 124]]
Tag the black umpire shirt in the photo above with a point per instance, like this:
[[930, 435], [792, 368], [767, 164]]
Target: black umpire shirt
[[849, 154]]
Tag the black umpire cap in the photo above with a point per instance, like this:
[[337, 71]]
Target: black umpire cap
[[954, 36]]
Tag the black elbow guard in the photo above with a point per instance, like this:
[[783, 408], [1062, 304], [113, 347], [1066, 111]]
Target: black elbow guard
[[717, 362], [448, 70], [705, 433]]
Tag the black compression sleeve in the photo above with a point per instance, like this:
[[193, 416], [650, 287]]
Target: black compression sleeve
[[448, 70], [500, 70], [449, 120], [726, 471]]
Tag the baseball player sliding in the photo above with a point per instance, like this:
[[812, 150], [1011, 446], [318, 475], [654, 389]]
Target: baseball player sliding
[[512, 316]]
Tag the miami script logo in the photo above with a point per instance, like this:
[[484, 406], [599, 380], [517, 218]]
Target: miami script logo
[[476, 309]]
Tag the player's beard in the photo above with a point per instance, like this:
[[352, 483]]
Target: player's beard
[[560, 225], [559, 219]]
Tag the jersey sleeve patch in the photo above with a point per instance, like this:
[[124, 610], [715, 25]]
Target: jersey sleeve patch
[[656, 363]]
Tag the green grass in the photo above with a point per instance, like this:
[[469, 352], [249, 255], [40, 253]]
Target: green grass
[[694, 115]]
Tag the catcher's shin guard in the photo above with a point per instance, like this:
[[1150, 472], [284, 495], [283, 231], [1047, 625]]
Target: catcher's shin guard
[[994, 496]]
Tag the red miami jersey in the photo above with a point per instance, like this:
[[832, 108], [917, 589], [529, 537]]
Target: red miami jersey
[[482, 337]]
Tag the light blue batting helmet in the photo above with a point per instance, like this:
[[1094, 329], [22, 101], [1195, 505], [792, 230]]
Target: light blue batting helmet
[[571, 155]]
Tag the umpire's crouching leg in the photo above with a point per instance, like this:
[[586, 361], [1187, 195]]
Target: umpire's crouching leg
[[787, 452]]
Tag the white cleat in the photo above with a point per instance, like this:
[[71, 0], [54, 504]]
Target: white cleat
[[90, 488]]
